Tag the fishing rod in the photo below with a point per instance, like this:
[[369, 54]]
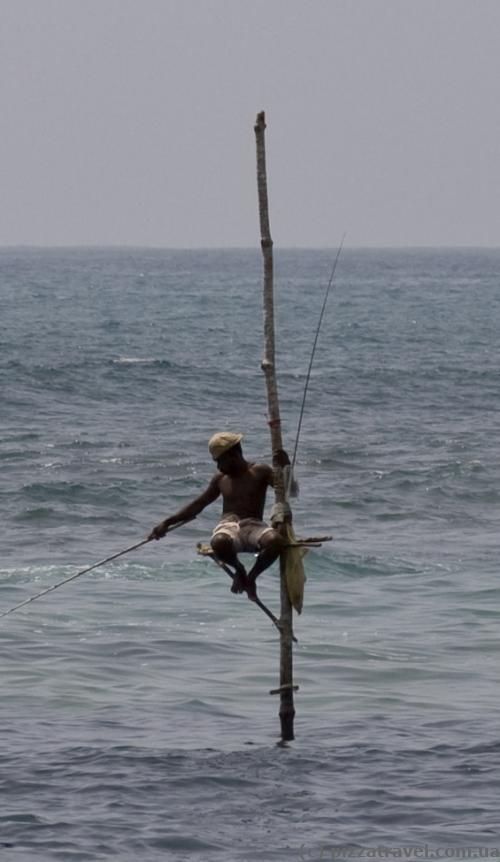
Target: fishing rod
[[85, 571], [311, 360]]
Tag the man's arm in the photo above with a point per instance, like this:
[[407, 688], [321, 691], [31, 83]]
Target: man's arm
[[282, 459], [190, 511], [291, 484]]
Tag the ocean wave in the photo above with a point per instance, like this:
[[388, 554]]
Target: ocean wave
[[137, 360], [77, 492]]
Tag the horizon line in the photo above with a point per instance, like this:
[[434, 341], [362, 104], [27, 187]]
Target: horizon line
[[130, 246]]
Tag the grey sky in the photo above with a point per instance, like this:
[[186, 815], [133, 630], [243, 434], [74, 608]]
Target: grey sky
[[131, 121]]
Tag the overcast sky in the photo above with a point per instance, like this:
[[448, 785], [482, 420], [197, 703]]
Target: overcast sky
[[130, 122]]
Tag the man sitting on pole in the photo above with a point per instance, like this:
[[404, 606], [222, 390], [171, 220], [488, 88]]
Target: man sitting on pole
[[243, 486]]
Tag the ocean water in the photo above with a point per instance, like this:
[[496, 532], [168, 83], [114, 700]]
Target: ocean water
[[136, 720]]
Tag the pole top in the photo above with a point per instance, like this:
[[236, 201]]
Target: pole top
[[260, 122]]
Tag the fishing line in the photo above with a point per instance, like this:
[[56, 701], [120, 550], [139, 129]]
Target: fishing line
[[84, 571], [311, 360]]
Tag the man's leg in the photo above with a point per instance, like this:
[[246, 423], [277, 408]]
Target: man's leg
[[271, 544], [223, 548]]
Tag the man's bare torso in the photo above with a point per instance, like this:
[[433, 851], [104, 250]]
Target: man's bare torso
[[245, 495]]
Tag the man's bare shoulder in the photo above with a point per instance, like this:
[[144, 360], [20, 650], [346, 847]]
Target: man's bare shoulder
[[261, 470]]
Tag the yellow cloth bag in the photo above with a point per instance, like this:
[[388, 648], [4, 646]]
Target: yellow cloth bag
[[294, 571]]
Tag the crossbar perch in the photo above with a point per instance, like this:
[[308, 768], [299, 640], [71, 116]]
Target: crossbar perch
[[206, 551]]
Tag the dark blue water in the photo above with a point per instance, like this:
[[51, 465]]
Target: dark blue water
[[136, 718]]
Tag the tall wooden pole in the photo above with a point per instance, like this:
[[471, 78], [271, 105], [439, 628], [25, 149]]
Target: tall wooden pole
[[287, 709]]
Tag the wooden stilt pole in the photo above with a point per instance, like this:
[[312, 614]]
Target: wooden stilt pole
[[287, 709]]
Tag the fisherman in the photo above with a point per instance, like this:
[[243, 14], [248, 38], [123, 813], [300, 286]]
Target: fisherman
[[243, 486]]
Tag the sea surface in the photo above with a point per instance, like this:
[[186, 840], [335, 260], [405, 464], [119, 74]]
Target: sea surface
[[136, 720]]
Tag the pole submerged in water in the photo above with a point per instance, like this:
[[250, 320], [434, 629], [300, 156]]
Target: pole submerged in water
[[286, 689]]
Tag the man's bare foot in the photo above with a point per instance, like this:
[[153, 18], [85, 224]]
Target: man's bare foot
[[251, 589], [240, 583]]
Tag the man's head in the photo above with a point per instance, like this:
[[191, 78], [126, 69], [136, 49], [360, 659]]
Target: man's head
[[225, 449]]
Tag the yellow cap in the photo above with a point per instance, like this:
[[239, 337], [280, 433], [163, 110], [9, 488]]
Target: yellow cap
[[222, 442]]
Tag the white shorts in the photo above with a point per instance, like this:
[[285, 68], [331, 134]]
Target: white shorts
[[245, 533]]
